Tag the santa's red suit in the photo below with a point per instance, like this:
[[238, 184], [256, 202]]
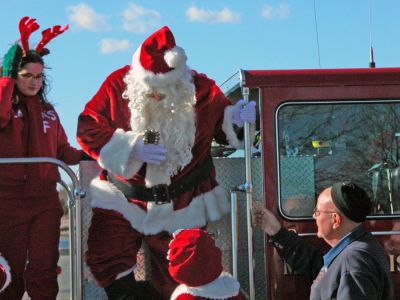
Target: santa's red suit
[[106, 130], [30, 210]]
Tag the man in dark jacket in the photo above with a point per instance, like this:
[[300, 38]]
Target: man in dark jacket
[[356, 266]]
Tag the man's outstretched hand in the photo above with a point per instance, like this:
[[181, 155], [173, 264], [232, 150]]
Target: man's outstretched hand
[[265, 219]]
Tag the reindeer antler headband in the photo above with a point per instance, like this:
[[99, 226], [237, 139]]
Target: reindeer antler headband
[[28, 25]]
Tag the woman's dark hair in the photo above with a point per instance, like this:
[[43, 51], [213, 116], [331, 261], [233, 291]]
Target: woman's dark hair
[[33, 57]]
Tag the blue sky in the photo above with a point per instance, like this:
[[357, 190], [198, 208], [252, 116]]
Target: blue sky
[[219, 38]]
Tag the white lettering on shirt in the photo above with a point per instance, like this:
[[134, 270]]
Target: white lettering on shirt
[[47, 116]]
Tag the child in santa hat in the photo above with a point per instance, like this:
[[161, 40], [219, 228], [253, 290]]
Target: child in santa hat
[[195, 262]]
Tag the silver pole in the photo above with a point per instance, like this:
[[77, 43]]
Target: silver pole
[[78, 244], [234, 228], [74, 257], [75, 227], [249, 198], [71, 239]]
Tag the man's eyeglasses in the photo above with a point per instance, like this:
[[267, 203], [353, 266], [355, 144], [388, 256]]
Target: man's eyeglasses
[[317, 212]]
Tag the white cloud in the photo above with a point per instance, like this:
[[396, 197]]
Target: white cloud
[[138, 19], [111, 45], [268, 12], [196, 14], [281, 12], [85, 17]]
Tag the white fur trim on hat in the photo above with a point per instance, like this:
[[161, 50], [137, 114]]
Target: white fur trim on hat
[[175, 58], [224, 287], [5, 265], [115, 156], [210, 206]]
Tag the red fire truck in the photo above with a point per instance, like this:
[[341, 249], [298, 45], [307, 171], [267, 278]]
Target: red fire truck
[[315, 127], [319, 127]]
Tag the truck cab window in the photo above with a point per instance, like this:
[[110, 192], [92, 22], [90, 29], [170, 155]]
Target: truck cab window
[[322, 143]]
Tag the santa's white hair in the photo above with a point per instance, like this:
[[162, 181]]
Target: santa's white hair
[[173, 116]]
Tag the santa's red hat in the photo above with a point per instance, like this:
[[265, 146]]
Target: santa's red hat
[[158, 60], [194, 259], [5, 275]]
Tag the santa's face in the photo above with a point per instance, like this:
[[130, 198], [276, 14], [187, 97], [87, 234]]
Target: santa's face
[[156, 96]]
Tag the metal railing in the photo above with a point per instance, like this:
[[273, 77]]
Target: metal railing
[[246, 187], [75, 224]]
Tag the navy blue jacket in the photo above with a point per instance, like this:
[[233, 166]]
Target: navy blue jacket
[[360, 271]]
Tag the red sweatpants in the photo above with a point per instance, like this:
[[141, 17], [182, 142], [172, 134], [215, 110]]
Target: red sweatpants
[[113, 245], [29, 237]]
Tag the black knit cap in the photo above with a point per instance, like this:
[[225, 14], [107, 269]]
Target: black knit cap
[[351, 200]]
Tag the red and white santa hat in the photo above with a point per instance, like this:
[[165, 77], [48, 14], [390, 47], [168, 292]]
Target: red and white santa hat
[[158, 60], [5, 275], [194, 259]]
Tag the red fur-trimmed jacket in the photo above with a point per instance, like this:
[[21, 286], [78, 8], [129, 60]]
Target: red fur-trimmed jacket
[[30, 128], [104, 131]]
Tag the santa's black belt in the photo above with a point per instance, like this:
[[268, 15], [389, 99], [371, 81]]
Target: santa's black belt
[[163, 193]]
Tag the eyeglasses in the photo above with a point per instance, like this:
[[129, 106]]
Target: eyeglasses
[[29, 76], [317, 212]]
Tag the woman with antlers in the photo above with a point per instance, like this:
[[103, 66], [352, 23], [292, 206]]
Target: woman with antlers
[[30, 210]]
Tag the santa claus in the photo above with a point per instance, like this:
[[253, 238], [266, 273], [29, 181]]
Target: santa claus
[[150, 127]]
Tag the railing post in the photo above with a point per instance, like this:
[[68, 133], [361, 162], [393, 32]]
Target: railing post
[[247, 188], [234, 228]]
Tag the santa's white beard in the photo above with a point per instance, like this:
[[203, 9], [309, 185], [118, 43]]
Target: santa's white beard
[[173, 117]]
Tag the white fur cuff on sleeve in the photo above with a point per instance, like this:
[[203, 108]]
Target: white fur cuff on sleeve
[[115, 156], [227, 127]]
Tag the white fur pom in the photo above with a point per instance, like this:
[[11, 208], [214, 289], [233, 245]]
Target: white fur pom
[[175, 57]]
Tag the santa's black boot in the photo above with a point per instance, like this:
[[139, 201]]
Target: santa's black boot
[[122, 289]]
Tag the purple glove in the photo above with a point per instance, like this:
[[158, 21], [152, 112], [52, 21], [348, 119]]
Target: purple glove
[[244, 113], [149, 153]]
